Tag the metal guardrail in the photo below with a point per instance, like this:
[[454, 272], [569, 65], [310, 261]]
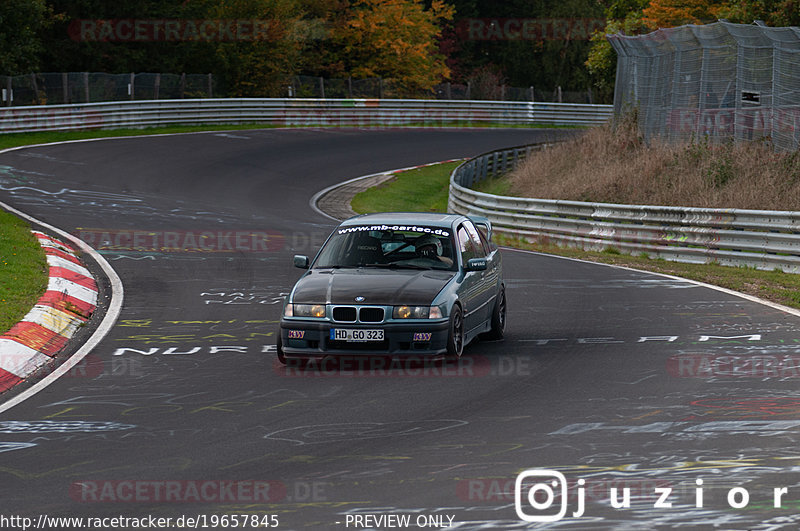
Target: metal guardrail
[[296, 112], [760, 239]]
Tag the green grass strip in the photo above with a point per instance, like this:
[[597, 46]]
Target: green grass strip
[[419, 190], [406, 193], [23, 270], [10, 140]]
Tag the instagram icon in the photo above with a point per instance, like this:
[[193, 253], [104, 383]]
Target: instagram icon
[[535, 493]]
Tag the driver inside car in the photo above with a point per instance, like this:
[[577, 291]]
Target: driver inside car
[[430, 247]]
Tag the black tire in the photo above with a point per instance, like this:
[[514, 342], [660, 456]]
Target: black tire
[[455, 340], [498, 329], [281, 356]]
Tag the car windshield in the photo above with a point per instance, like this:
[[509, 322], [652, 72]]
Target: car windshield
[[389, 247]]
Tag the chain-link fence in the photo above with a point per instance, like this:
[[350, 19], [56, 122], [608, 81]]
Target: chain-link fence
[[86, 87], [378, 88], [722, 81]]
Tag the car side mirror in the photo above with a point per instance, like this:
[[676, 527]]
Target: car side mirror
[[301, 261], [476, 264]]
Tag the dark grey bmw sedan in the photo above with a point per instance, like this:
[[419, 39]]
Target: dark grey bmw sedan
[[396, 284]]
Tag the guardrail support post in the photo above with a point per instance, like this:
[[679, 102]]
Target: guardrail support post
[[157, 86], [131, 88], [210, 85], [86, 86]]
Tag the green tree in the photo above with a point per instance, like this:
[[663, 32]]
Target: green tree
[[21, 24], [260, 67], [66, 51], [621, 16], [545, 60], [773, 13]]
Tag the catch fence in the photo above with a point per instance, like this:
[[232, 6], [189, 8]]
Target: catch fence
[[722, 81]]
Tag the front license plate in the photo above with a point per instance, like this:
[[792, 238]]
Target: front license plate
[[353, 335]]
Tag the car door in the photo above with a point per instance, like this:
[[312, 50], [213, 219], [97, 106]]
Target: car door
[[472, 292], [489, 278]]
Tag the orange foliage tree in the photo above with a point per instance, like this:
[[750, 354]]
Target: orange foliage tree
[[395, 39], [671, 13]]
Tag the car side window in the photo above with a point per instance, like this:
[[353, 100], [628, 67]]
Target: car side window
[[477, 242], [465, 245], [487, 247]]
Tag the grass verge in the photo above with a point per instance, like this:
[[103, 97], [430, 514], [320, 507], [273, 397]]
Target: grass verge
[[406, 192], [419, 190], [10, 140], [23, 270]]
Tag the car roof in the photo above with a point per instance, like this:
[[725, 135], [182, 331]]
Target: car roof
[[431, 219]]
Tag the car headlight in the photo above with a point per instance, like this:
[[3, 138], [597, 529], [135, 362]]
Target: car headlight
[[417, 312], [304, 310]]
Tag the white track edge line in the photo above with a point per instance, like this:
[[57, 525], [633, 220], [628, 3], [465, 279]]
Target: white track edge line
[[111, 316]]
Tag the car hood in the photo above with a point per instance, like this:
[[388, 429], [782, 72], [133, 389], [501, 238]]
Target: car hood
[[377, 286]]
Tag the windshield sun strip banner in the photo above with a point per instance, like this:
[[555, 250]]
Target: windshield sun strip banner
[[399, 228]]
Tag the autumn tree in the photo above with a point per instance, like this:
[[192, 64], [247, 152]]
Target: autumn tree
[[395, 39], [671, 13]]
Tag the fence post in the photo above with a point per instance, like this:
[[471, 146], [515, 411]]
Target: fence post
[[131, 88], [503, 92], [469, 90], [183, 85], [65, 87], [380, 88], [210, 85], [532, 96], [322, 87], [35, 89], [157, 86], [350, 87], [9, 92], [86, 86]]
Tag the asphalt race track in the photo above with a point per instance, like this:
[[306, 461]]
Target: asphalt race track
[[614, 378]]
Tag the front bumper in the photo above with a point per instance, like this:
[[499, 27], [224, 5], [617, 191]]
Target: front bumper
[[399, 339]]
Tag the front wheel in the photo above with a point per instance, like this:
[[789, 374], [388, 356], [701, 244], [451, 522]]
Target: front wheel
[[455, 342]]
